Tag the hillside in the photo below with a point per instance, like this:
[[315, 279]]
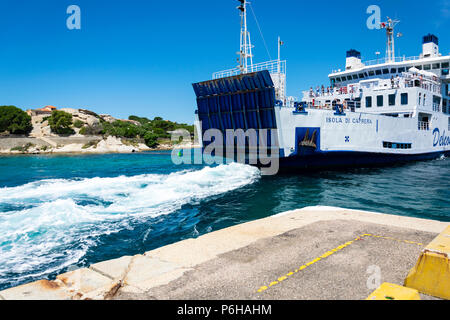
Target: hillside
[[79, 130]]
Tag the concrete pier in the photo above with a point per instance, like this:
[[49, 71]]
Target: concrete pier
[[311, 253]]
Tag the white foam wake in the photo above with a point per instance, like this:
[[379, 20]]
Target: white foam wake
[[58, 220]]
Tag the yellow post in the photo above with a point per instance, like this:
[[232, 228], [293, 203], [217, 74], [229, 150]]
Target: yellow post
[[431, 275]]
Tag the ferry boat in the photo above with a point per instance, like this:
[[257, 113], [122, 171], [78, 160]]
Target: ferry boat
[[384, 111]]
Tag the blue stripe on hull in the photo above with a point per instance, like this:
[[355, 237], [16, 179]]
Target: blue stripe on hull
[[351, 159]]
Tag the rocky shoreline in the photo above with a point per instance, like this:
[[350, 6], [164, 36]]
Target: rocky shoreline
[[70, 145]]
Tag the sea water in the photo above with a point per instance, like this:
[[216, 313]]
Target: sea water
[[59, 212]]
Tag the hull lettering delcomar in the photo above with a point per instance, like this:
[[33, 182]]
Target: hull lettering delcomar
[[440, 140]]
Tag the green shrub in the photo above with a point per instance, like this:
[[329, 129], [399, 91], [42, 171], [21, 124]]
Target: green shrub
[[23, 148], [141, 120], [78, 124], [92, 143], [14, 120], [60, 122], [123, 129], [91, 130], [151, 140]]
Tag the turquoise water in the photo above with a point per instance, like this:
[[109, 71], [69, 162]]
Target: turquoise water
[[60, 212]]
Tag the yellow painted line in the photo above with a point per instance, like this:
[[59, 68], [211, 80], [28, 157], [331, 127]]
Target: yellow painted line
[[329, 253]]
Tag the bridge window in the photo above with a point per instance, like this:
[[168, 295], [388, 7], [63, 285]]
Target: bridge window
[[349, 78], [404, 98], [385, 71], [427, 67], [355, 77], [368, 102], [445, 64], [400, 70], [361, 75], [377, 72], [371, 73], [419, 67], [379, 101], [436, 66], [393, 70], [392, 99]]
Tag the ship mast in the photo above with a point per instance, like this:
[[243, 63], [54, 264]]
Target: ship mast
[[245, 53], [390, 45]]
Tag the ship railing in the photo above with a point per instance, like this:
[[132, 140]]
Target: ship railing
[[274, 67], [349, 106], [387, 60], [331, 92], [407, 80], [424, 125]]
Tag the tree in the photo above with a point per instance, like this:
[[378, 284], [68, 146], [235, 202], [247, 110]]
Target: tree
[[14, 120], [151, 140], [141, 120], [60, 122]]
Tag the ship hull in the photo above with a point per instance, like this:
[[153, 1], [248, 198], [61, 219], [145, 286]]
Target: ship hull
[[344, 159]]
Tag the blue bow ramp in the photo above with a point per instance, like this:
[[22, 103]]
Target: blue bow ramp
[[244, 101]]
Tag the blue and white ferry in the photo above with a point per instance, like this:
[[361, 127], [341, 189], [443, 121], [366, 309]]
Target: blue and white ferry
[[389, 110]]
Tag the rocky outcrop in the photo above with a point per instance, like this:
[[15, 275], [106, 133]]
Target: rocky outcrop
[[43, 140]]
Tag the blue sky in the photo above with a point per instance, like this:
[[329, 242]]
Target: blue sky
[[141, 56]]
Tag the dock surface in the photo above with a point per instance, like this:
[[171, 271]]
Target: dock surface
[[312, 253]]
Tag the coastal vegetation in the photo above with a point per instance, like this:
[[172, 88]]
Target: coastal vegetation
[[78, 124], [61, 122], [91, 144], [23, 148], [133, 131], [14, 120], [151, 131]]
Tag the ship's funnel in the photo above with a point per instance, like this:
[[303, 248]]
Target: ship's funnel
[[430, 46], [353, 60]]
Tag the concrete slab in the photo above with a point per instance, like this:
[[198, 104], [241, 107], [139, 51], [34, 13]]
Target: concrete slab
[[39, 290], [82, 281], [146, 272], [113, 269]]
